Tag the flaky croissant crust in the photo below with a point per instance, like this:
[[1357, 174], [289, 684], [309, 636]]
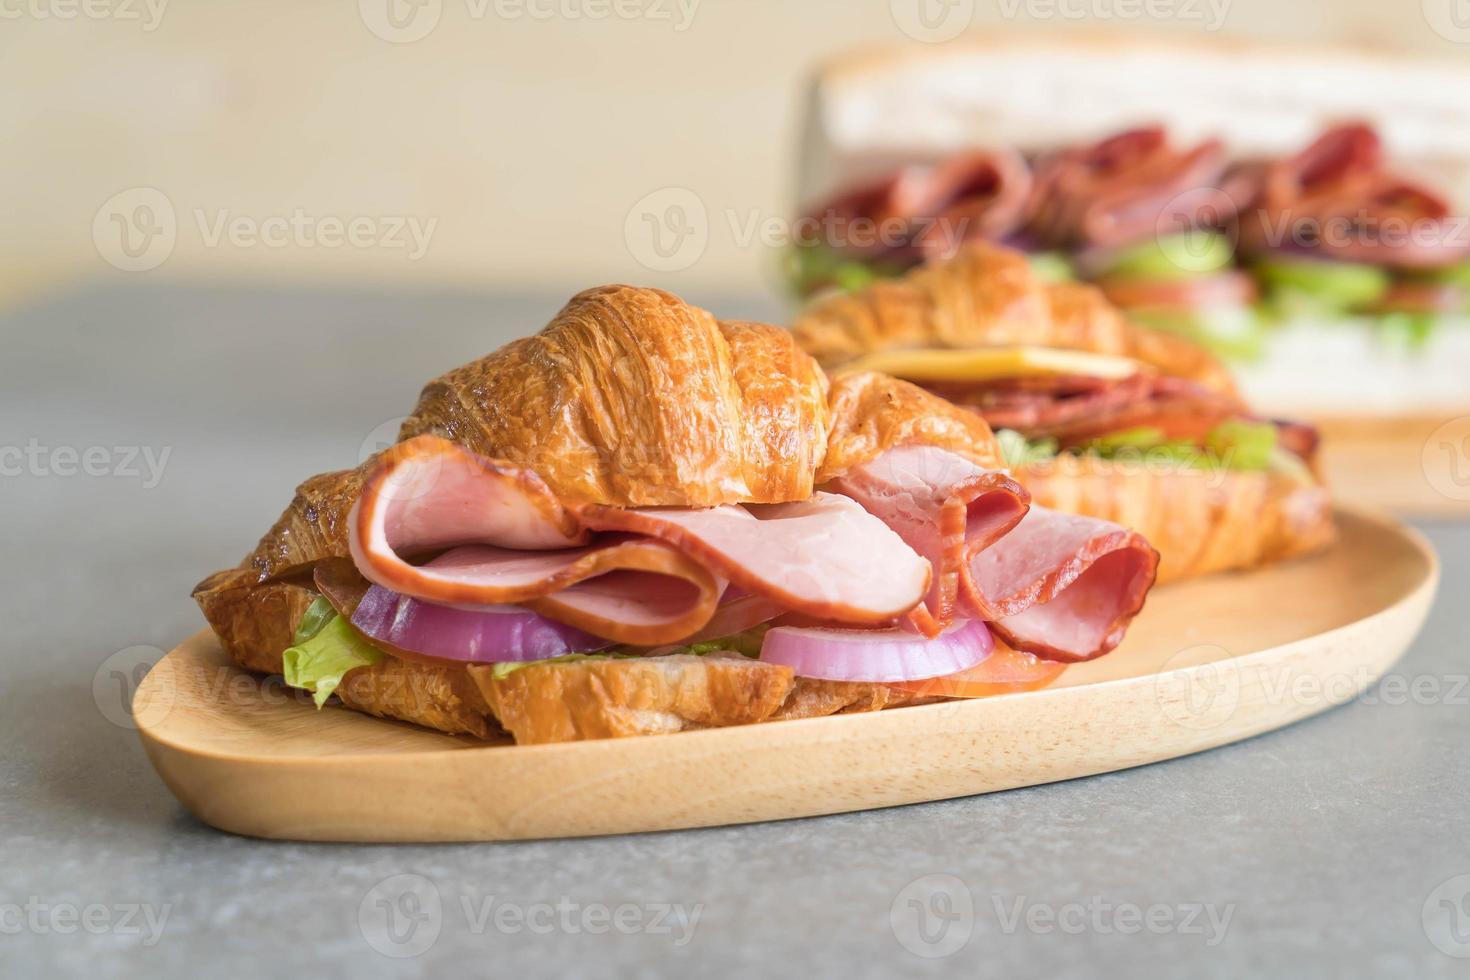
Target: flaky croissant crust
[[632, 397], [988, 296]]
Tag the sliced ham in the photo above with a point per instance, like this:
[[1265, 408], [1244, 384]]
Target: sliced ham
[[510, 540], [944, 507], [1057, 585], [644, 576], [825, 557], [1061, 586], [918, 534]]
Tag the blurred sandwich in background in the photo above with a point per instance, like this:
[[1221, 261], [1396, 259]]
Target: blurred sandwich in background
[[1299, 212]]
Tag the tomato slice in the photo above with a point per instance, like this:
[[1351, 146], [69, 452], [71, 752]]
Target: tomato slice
[[1005, 671]]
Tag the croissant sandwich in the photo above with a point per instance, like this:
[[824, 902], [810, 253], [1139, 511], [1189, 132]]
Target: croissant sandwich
[[1097, 416], [643, 520]]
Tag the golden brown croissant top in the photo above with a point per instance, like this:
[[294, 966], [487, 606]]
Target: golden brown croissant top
[[872, 413], [632, 397], [988, 296]]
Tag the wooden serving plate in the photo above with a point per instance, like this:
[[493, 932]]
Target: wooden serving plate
[[1208, 662]]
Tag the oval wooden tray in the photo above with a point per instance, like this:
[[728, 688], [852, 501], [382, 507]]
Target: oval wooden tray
[[1207, 663]]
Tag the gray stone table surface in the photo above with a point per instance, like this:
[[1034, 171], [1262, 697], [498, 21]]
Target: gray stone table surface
[[1315, 851]]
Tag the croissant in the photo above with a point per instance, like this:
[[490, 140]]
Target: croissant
[[988, 296], [1201, 519], [646, 473]]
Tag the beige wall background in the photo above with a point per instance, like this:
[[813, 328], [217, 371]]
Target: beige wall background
[[279, 140]]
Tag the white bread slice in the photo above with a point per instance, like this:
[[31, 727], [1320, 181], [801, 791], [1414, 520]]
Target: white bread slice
[[870, 109]]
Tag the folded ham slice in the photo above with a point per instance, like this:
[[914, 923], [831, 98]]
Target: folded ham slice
[[945, 507], [642, 576], [1061, 586], [825, 557], [1057, 585]]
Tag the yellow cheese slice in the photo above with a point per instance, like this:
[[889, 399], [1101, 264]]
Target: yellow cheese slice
[[994, 363]]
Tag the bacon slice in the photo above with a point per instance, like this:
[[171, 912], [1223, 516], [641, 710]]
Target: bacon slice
[[923, 212], [1336, 199], [1061, 586], [1125, 189], [826, 557]]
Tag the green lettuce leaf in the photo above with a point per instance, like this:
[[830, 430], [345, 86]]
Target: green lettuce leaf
[[1183, 256], [318, 614], [1233, 445], [1242, 445], [1018, 450], [811, 269], [318, 663], [1322, 287], [1406, 332], [1052, 267]]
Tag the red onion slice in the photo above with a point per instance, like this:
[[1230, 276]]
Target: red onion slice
[[487, 634], [877, 656]]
